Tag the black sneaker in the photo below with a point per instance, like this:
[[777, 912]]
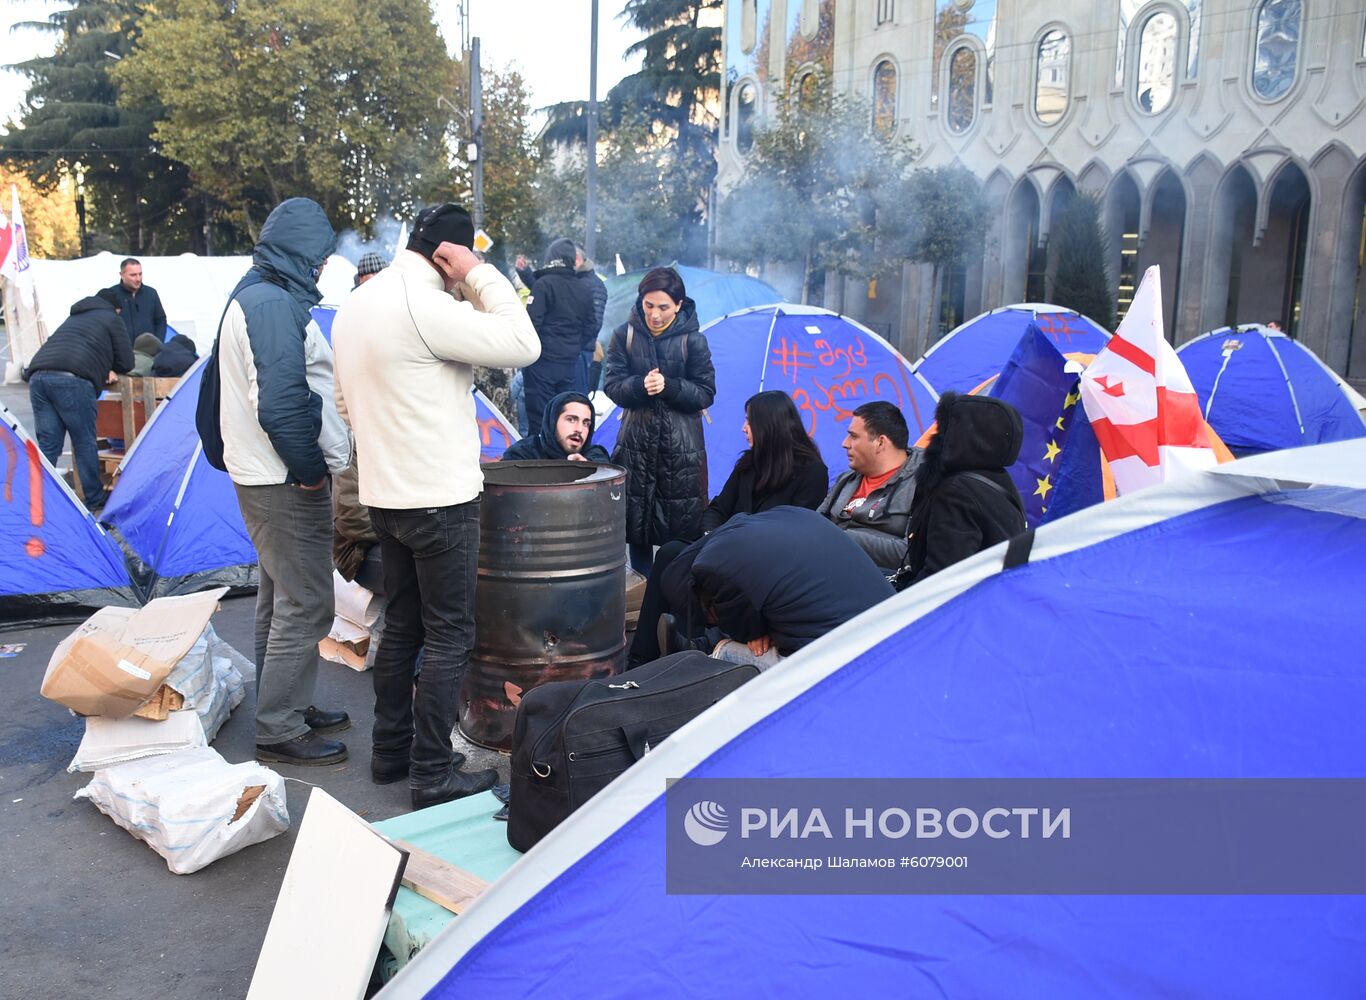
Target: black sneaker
[[321, 721], [308, 750]]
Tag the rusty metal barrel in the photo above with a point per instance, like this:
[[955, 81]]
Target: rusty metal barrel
[[550, 604]]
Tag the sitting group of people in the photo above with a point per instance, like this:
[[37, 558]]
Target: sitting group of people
[[781, 559]]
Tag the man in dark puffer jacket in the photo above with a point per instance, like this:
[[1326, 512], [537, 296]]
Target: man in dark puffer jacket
[[965, 501], [564, 436], [561, 309], [64, 382]]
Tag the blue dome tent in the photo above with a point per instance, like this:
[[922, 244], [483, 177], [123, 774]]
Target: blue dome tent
[[974, 351], [56, 563], [176, 514], [1260, 390], [714, 292], [1122, 650], [828, 364]]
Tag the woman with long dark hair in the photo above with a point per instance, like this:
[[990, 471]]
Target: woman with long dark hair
[[659, 371], [781, 467]]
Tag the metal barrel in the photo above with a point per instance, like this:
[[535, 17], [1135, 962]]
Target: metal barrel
[[550, 604]]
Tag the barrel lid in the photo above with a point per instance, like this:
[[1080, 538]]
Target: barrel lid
[[541, 473]]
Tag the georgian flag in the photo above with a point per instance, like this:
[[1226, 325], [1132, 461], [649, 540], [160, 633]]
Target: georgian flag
[[1140, 402]]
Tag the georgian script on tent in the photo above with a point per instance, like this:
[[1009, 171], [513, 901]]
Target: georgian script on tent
[[830, 375]]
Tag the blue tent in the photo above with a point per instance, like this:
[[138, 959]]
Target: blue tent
[[323, 316], [56, 563], [1261, 390], [715, 293], [175, 513], [1121, 650], [974, 351], [828, 364]]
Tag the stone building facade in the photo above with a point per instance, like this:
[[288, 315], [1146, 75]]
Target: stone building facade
[[1226, 140]]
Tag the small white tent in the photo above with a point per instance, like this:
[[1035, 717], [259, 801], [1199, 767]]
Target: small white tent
[[193, 292]]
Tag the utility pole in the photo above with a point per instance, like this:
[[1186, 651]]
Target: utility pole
[[590, 215], [476, 147]]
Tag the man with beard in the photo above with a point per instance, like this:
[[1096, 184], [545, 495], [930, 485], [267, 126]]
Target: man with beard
[[566, 433]]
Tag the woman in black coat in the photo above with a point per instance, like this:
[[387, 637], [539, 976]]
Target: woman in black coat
[[781, 467], [659, 371]]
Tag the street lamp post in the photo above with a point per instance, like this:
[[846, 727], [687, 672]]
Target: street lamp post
[[590, 214], [477, 130]]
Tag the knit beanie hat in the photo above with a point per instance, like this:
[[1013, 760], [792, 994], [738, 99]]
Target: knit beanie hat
[[370, 263], [446, 223]]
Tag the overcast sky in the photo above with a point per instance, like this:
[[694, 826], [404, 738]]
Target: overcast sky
[[548, 40]]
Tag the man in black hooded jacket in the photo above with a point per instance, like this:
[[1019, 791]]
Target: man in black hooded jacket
[[566, 433], [561, 308], [965, 501], [64, 382]]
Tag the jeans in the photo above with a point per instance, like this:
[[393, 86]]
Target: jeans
[[738, 652], [292, 530], [66, 404], [430, 558]]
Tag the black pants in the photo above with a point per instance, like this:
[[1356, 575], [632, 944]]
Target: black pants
[[542, 382], [654, 603], [430, 558]]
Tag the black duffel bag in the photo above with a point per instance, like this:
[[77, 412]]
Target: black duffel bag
[[571, 738]]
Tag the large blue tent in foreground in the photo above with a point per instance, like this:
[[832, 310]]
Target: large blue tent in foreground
[[1122, 649], [826, 362]]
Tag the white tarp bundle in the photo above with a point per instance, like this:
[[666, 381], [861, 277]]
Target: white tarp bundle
[[193, 292]]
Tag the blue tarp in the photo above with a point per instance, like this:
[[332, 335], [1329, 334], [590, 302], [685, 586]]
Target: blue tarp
[[1260, 390], [177, 514], [1130, 657], [827, 363], [968, 355], [715, 294], [55, 561]]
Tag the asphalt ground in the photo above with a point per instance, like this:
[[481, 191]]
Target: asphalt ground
[[89, 910]]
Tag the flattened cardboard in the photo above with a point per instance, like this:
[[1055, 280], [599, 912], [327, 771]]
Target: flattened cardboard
[[117, 659]]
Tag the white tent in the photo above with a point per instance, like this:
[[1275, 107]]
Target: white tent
[[193, 292]]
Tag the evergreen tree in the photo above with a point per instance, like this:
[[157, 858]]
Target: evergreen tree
[[72, 123], [1080, 281]]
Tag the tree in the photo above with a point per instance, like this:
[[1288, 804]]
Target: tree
[[947, 226], [822, 189], [1080, 281], [49, 216], [268, 99], [72, 123]]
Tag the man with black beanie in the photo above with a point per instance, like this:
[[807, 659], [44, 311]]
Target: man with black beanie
[[406, 342], [562, 310]]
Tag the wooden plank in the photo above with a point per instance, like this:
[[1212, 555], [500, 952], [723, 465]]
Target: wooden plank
[[445, 884], [130, 425]]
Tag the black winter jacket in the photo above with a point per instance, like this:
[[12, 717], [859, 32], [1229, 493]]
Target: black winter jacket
[[175, 358], [140, 313], [91, 343], [561, 309], [787, 573], [546, 445], [965, 501], [598, 288], [806, 489], [661, 443]]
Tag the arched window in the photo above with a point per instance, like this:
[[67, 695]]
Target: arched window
[[1050, 76], [745, 101], [1156, 79], [962, 103], [1278, 46], [884, 99]]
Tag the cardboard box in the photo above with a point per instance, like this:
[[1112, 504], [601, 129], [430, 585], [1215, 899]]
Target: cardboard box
[[117, 659]]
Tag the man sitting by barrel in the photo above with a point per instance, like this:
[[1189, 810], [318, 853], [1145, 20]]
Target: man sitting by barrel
[[566, 433], [772, 583]]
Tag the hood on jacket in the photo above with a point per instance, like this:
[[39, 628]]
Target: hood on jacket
[[294, 244], [974, 433], [549, 442], [90, 303], [148, 344], [685, 321], [183, 341]]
